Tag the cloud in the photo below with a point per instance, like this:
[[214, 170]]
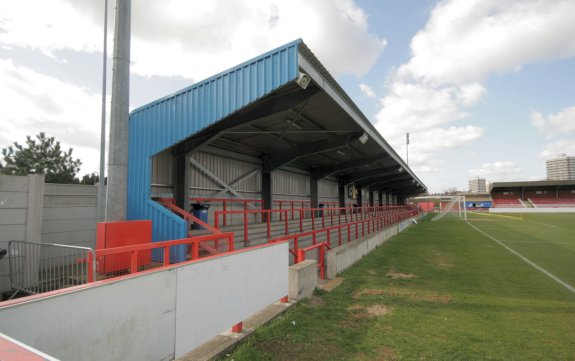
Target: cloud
[[553, 125], [367, 90], [195, 39], [554, 149], [462, 44], [468, 40], [32, 102], [495, 170]]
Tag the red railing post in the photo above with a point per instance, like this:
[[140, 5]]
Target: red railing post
[[269, 215], [166, 255], [134, 262], [195, 250], [90, 265], [300, 220], [286, 222], [348, 233], [322, 262], [339, 232], [296, 250], [237, 328], [225, 214], [245, 227], [300, 255], [231, 242]]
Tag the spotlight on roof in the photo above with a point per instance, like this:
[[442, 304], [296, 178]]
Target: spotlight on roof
[[303, 80], [363, 139], [400, 169]]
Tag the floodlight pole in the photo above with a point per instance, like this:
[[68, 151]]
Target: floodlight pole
[[407, 148], [100, 216], [116, 205]]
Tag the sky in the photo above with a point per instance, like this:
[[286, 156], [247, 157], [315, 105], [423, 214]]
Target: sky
[[486, 88]]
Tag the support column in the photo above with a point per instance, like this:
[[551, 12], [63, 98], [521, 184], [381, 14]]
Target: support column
[[359, 200], [180, 185], [116, 204], [313, 193], [371, 197], [267, 201], [380, 197], [35, 208], [341, 192]]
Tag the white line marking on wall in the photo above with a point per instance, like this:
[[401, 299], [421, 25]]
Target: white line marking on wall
[[526, 260]]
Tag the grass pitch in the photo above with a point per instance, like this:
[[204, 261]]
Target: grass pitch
[[441, 291]]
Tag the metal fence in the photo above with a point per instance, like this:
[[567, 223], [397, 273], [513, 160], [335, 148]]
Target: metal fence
[[43, 267]]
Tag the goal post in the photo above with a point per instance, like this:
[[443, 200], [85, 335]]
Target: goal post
[[456, 207]]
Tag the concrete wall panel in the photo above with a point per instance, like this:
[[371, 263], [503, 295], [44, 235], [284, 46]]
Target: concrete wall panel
[[217, 294], [12, 216], [9, 183], [11, 200], [132, 319]]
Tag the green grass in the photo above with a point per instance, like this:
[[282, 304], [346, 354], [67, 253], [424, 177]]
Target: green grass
[[469, 299]]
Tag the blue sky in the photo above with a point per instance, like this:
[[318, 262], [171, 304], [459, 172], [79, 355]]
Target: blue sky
[[485, 87]]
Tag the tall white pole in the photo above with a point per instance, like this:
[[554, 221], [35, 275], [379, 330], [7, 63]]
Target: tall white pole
[[407, 148], [100, 215], [118, 149]]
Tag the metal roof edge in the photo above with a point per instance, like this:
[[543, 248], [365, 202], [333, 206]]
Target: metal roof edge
[[306, 52], [216, 76]]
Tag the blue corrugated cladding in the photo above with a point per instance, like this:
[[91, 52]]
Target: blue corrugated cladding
[[167, 121]]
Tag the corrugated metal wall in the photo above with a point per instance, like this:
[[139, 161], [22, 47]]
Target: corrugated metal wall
[[228, 170], [288, 184], [163, 174], [163, 123], [328, 190]]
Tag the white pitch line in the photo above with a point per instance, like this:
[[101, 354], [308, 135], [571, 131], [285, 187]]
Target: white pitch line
[[526, 260]]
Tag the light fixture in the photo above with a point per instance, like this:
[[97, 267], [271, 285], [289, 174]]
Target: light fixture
[[340, 153], [400, 169], [303, 80], [363, 139]]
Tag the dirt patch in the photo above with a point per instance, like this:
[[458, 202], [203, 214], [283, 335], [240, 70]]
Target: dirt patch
[[399, 276], [316, 301], [378, 310], [381, 354], [414, 295], [358, 311], [372, 272]]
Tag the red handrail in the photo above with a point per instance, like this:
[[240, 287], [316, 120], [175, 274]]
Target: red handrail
[[195, 242], [321, 256]]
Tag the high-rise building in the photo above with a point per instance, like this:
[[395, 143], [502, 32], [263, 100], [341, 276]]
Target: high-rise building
[[478, 185], [562, 168]]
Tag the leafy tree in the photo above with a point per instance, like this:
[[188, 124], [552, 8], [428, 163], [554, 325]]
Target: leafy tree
[[42, 155], [90, 179]]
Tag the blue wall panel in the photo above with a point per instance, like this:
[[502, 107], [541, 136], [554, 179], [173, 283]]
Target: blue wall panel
[[167, 121]]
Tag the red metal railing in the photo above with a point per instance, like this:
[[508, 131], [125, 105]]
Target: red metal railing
[[162, 250], [226, 202], [170, 203], [352, 230], [321, 249], [329, 216]]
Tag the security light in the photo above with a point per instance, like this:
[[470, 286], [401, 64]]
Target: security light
[[303, 80], [363, 139]]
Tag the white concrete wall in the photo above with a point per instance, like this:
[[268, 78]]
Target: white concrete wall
[[33, 211], [13, 207], [69, 214], [152, 316], [341, 258]]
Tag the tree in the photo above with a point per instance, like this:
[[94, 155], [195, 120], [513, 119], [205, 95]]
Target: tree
[[90, 179], [42, 155]]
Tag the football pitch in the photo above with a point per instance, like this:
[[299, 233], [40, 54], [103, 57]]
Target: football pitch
[[546, 241], [494, 288]]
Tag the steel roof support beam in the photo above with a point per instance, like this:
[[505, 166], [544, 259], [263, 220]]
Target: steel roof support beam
[[380, 172], [264, 108], [323, 172], [276, 160]]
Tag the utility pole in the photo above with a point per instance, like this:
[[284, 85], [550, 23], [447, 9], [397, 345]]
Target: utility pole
[[100, 215], [118, 148], [407, 147]]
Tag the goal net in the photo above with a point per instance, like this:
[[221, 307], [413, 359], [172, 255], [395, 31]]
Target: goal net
[[455, 208]]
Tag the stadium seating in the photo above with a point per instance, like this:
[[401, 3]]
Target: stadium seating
[[553, 202], [506, 203]]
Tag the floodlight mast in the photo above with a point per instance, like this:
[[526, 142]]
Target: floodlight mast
[[100, 214]]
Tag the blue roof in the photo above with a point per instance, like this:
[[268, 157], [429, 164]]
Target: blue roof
[[165, 122]]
